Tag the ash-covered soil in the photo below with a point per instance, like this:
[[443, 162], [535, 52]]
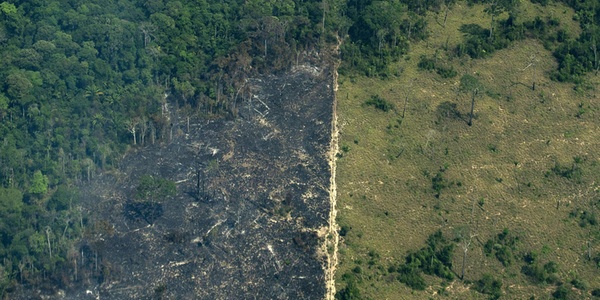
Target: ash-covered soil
[[251, 211]]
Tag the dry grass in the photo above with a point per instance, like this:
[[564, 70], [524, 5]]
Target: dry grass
[[518, 135]]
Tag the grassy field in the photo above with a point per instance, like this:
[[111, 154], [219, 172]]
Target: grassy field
[[529, 163]]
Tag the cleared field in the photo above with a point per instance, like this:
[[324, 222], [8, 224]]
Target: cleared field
[[529, 164]]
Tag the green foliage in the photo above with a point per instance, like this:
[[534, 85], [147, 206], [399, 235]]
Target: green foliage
[[147, 202], [350, 292], [380, 33], [439, 183], [469, 83], [39, 183], [562, 292], [579, 284], [538, 273], [586, 217], [434, 259], [8, 9], [502, 247], [380, 103], [25, 229], [411, 277], [490, 286], [344, 230], [64, 198], [153, 189], [431, 64], [10, 201]]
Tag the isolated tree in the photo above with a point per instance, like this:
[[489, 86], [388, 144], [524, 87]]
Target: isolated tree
[[533, 64], [471, 84], [475, 92], [466, 238]]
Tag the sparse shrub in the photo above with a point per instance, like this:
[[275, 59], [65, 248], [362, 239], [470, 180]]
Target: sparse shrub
[[579, 284], [434, 259], [430, 64], [380, 103], [438, 183], [585, 217], [535, 273], [541, 274], [490, 286], [344, 230], [426, 63], [412, 278], [446, 72], [351, 291], [551, 267], [530, 257], [542, 2], [572, 172], [561, 292], [502, 246]]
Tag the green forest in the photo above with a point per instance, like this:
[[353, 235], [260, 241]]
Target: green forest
[[84, 81]]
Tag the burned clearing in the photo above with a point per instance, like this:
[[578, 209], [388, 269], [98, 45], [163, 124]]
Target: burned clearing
[[251, 211]]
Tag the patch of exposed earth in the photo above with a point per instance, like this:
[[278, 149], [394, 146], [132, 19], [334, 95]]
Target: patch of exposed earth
[[252, 209]]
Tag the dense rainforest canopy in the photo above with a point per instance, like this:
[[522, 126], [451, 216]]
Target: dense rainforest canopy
[[82, 81]]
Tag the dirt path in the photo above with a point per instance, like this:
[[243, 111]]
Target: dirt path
[[333, 236]]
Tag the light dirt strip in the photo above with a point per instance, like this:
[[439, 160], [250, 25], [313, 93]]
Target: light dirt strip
[[332, 237]]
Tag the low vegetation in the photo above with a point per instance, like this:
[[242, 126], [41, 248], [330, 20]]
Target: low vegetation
[[495, 147]]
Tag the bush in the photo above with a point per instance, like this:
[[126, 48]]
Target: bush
[[502, 246], [429, 64], [561, 292], [350, 292], [380, 103], [579, 284], [412, 278], [426, 63], [434, 259], [572, 172], [490, 286], [344, 230], [541, 274]]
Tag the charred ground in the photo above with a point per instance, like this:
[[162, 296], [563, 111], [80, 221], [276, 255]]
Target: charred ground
[[251, 210]]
